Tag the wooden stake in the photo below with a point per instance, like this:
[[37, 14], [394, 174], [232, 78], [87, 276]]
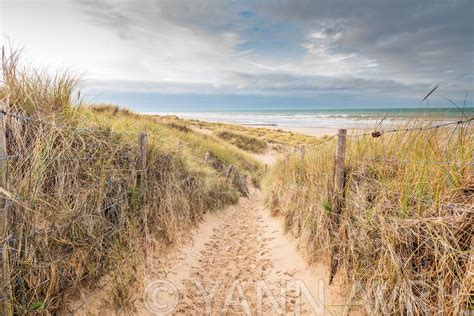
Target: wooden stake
[[338, 197], [141, 183], [142, 145], [206, 157], [5, 288], [228, 172], [339, 170]]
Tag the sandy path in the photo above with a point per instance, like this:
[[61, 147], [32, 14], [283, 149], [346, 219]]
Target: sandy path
[[268, 158], [233, 256]]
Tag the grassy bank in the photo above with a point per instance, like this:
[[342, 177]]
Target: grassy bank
[[75, 209], [247, 143], [276, 139], [404, 233]]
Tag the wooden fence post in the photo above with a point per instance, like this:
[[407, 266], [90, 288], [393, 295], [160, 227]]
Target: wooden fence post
[[338, 197], [339, 170], [229, 171], [5, 306], [206, 157], [142, 145], [141, 182], [302, 152]]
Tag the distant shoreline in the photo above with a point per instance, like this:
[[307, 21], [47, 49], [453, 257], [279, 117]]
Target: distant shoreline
[[313, 124], [263, 124]]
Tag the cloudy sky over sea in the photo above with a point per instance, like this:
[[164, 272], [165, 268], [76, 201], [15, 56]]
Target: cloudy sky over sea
[[153, 55]]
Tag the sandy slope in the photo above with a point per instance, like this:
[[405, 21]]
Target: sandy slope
[[231, 254], [234, 254]]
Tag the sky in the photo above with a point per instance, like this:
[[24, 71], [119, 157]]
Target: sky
[[165, 55]]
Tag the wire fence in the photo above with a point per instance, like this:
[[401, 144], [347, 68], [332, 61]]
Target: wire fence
[[373, 134], [377, 134], [107, 198], [395, 165], [22, 200], [29, 119], [139, 169], [408, 161]]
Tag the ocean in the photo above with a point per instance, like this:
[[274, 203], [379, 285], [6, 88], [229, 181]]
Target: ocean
[[322, 118]]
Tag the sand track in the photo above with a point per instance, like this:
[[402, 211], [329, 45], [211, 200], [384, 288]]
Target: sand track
[[232, 256]]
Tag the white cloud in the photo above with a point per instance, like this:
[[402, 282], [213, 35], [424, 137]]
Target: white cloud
[[206, 46]]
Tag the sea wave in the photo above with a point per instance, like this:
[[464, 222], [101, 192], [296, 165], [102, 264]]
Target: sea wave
[[314, 120]]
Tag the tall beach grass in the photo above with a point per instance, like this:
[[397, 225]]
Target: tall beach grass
[[404, 234], [75, 211]]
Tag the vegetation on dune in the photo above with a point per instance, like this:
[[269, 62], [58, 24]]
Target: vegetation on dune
[[244, 142], [279, 139], [173, 137], [75, 209], [405, 229]]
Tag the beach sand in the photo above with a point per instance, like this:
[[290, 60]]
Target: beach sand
[[311, 131], [243, 245]]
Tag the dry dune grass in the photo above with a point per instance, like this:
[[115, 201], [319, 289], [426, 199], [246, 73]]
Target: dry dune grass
[[405, 231], [247, 143], [75, 211], [173, 137], [279, 139]]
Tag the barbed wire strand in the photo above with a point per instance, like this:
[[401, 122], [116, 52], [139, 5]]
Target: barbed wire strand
[[380, 133], [408, 161], [16, 200], [394, 194], [9, 157]]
